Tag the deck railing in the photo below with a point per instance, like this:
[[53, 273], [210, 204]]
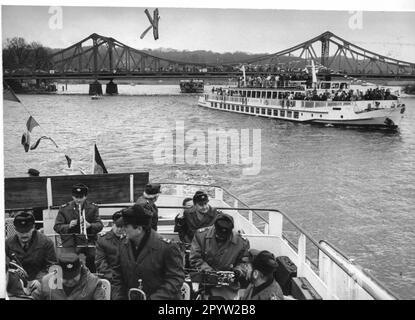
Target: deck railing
[[289, 103]]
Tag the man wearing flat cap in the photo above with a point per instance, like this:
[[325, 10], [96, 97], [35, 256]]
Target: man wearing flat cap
[[263, 285], [70, 224], [107, 248], [219, 248], [148, 202], [30, 248], [146, 256], [200, 215], [70, 280]]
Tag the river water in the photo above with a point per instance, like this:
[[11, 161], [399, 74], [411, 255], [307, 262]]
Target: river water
[[354, 188]]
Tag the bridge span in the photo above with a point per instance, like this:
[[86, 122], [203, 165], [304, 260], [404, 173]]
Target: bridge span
[[98, 57]]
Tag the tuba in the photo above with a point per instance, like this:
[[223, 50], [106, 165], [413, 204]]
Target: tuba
[[137, 293]]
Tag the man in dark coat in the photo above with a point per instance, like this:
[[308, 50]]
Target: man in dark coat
[[72, 281], [107, 248], [148, 257], [31, 249], [200, 215], [71, 225], [263, 285], [219, 248], [148, 202]]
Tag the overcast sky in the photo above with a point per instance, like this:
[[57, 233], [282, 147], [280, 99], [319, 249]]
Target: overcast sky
[[221, 30]]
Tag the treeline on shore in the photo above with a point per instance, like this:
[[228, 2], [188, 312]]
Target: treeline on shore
[[19, 54]]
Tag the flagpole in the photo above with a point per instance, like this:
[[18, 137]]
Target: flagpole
[[93, 158]]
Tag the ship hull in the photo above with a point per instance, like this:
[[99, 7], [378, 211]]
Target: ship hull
[[385, 114]]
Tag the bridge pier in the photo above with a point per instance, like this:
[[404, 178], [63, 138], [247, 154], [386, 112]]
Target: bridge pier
[[111, 88], [95, 88]]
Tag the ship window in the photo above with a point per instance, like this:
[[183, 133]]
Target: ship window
[[289, 114], [263, 111], [229, 107], [237, 108], [257, 110], [269, 112], [252, 110], [341, 117], [249, 94], [242, 108], [311, 115], [274, 95], [279, 95], [337, 109], [263, 94], [269, 95], [301, 113], [258, 94], [295, 115], [233, 107], [282, 113], [275, 112], [320, 115]]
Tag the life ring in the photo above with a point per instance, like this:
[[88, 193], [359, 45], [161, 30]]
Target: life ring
[[266, 102]]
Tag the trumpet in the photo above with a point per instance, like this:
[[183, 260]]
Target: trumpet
[[82, 222], [137, 293]]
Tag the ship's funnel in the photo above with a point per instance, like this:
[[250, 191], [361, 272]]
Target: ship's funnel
[[244, 76], [313, 72]]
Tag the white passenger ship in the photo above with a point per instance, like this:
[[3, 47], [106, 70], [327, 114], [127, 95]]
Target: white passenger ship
[[289, 103], [329, 272]]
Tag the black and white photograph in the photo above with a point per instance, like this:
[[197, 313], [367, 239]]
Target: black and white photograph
[[213, 151]]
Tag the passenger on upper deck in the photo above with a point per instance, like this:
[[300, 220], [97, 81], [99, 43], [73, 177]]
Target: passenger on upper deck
[[69, 220], [261, 274], [30, 248], [108, 247], [148, 202], [219, 248], [200, 215]]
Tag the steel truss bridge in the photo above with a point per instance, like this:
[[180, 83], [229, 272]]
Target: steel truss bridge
[[98, 57]]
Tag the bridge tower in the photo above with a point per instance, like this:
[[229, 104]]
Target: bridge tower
[[325, 49], [111, 87], [95, 87]]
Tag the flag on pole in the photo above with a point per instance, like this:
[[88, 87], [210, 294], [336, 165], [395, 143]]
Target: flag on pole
[[8, 93], [98, 164], [26, 141], [69, 160], [36, 144], [31, 123]]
